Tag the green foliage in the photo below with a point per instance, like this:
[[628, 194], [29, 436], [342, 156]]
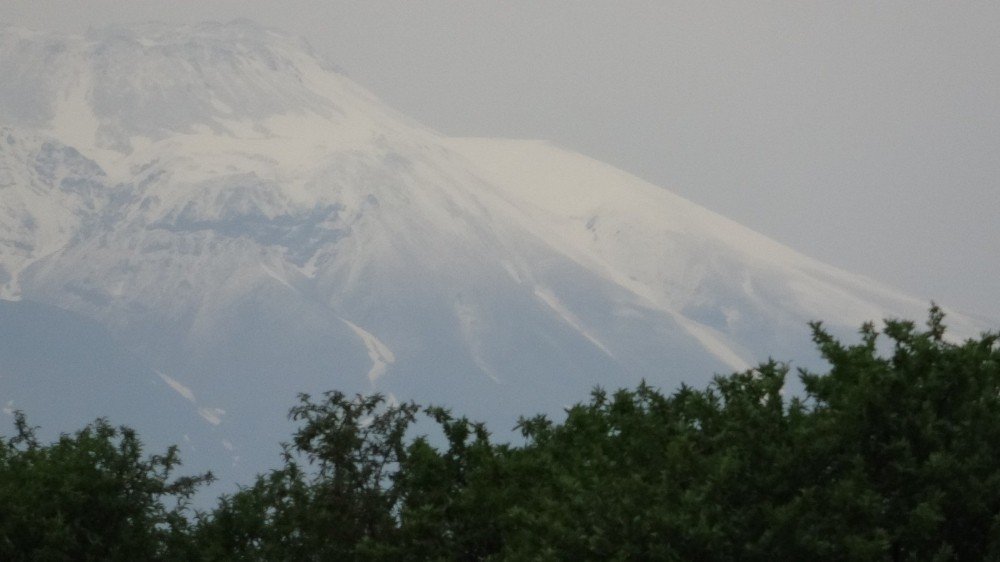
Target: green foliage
[[894, 454], [908, 444], [335, 498], [90, 496]]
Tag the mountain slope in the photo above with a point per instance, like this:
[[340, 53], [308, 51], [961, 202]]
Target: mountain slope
[[251, 224]]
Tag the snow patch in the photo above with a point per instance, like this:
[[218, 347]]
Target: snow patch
[[713, 342], [468, 324], [511, 270], [550, 300], [378, 352], [212, 415], [274, 275], [178, 387]]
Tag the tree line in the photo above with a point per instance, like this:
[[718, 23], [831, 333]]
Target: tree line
[[893, 453]]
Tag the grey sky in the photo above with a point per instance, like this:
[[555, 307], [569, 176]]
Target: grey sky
[[864, 134]]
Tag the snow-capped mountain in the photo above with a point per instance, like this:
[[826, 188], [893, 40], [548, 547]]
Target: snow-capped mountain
[[245, 223]]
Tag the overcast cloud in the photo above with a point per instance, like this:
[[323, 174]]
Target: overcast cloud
[[864, 134]]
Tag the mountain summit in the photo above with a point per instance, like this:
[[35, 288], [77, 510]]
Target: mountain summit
[[238, 222]]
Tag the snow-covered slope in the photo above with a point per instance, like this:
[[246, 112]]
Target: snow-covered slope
[[251, 224], [48, 190]]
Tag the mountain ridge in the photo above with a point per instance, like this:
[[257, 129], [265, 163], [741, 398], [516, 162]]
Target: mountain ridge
[[252, 224]]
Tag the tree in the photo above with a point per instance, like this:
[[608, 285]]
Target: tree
[[885, 457], [904, 448], [91, 496], [335, 498]]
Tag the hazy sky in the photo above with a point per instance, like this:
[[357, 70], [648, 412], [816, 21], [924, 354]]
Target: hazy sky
[[864, 134]]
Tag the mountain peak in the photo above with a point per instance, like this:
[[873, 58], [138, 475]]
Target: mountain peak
[[212, 39], [120, 88], [256, 225]]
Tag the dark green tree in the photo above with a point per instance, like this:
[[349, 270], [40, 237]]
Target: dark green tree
[[891, 455], [91, 496], [453, 499], [902, 458], [335, 498]]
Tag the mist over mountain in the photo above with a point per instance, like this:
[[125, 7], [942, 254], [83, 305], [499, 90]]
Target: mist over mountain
[[198, 222]]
